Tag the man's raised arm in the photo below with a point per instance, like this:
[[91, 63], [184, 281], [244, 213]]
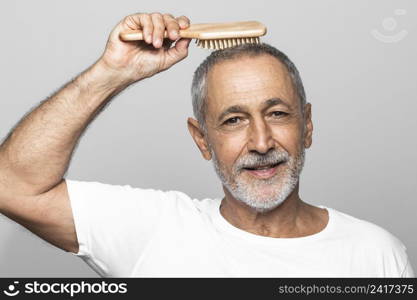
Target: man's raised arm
[[36, 154]]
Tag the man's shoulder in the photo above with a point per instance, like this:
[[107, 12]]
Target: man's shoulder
[[372, 243], [366, 233]]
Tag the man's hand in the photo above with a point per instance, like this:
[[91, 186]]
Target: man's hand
[[133, 61]]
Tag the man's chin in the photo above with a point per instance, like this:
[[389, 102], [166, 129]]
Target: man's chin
[[263, 195], [263, 206], [261, 199], [261, 186]]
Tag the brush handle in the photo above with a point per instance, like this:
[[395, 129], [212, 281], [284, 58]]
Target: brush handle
[[211, 31]]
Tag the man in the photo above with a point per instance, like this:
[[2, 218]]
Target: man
[[252, 120]]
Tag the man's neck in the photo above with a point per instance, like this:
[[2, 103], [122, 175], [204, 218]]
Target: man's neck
[[292, 218]]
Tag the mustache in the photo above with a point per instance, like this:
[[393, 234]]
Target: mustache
[[253, 160]]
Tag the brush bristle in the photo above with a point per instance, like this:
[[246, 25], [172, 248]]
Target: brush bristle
[[226, 43]]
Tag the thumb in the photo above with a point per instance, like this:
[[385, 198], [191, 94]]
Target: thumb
[[178, 52]]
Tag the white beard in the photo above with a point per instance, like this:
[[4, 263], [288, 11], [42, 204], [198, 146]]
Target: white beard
[[262, 195]]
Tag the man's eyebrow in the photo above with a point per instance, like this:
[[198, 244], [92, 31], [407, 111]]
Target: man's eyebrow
[[238, 108], [275, 101], [230, 110]]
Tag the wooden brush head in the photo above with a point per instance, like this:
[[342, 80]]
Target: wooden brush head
[[214, 35]]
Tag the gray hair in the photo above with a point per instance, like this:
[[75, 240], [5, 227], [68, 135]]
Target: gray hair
[[199, 84]]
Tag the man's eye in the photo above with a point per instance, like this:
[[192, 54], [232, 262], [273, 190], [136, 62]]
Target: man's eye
[[278, 113], [232, 121]]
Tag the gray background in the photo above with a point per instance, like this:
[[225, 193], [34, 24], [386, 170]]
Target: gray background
[[363, 91]]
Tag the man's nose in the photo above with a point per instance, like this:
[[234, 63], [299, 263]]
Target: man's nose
[[260, 137]]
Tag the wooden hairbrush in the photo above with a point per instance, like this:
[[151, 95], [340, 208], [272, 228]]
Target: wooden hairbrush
[[213, 35]]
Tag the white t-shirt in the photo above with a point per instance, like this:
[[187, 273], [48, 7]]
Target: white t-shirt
[[132, 232]]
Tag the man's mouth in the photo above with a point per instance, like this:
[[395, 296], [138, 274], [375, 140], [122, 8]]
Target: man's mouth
[[264, 171]]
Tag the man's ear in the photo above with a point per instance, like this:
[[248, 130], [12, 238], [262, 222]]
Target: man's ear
[[199, 138], [308, 126]]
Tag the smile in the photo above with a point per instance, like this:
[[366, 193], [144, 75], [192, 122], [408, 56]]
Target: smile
[[264, 172]]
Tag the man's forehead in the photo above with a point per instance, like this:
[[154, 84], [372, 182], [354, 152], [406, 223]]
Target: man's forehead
[[248, 81]]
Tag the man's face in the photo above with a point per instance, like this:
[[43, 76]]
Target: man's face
[[255, 130]]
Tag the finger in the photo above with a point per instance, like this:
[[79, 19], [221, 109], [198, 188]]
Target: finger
[[132, 21], [178, 52], [183, 21], [147, 27], [158, 29], [172, 26]]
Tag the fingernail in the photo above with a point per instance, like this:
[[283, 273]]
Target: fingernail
[[158, 43], [174, 34]]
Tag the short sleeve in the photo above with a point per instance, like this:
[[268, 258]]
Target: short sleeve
[[114, 223], [397, 262], [408, 271]]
